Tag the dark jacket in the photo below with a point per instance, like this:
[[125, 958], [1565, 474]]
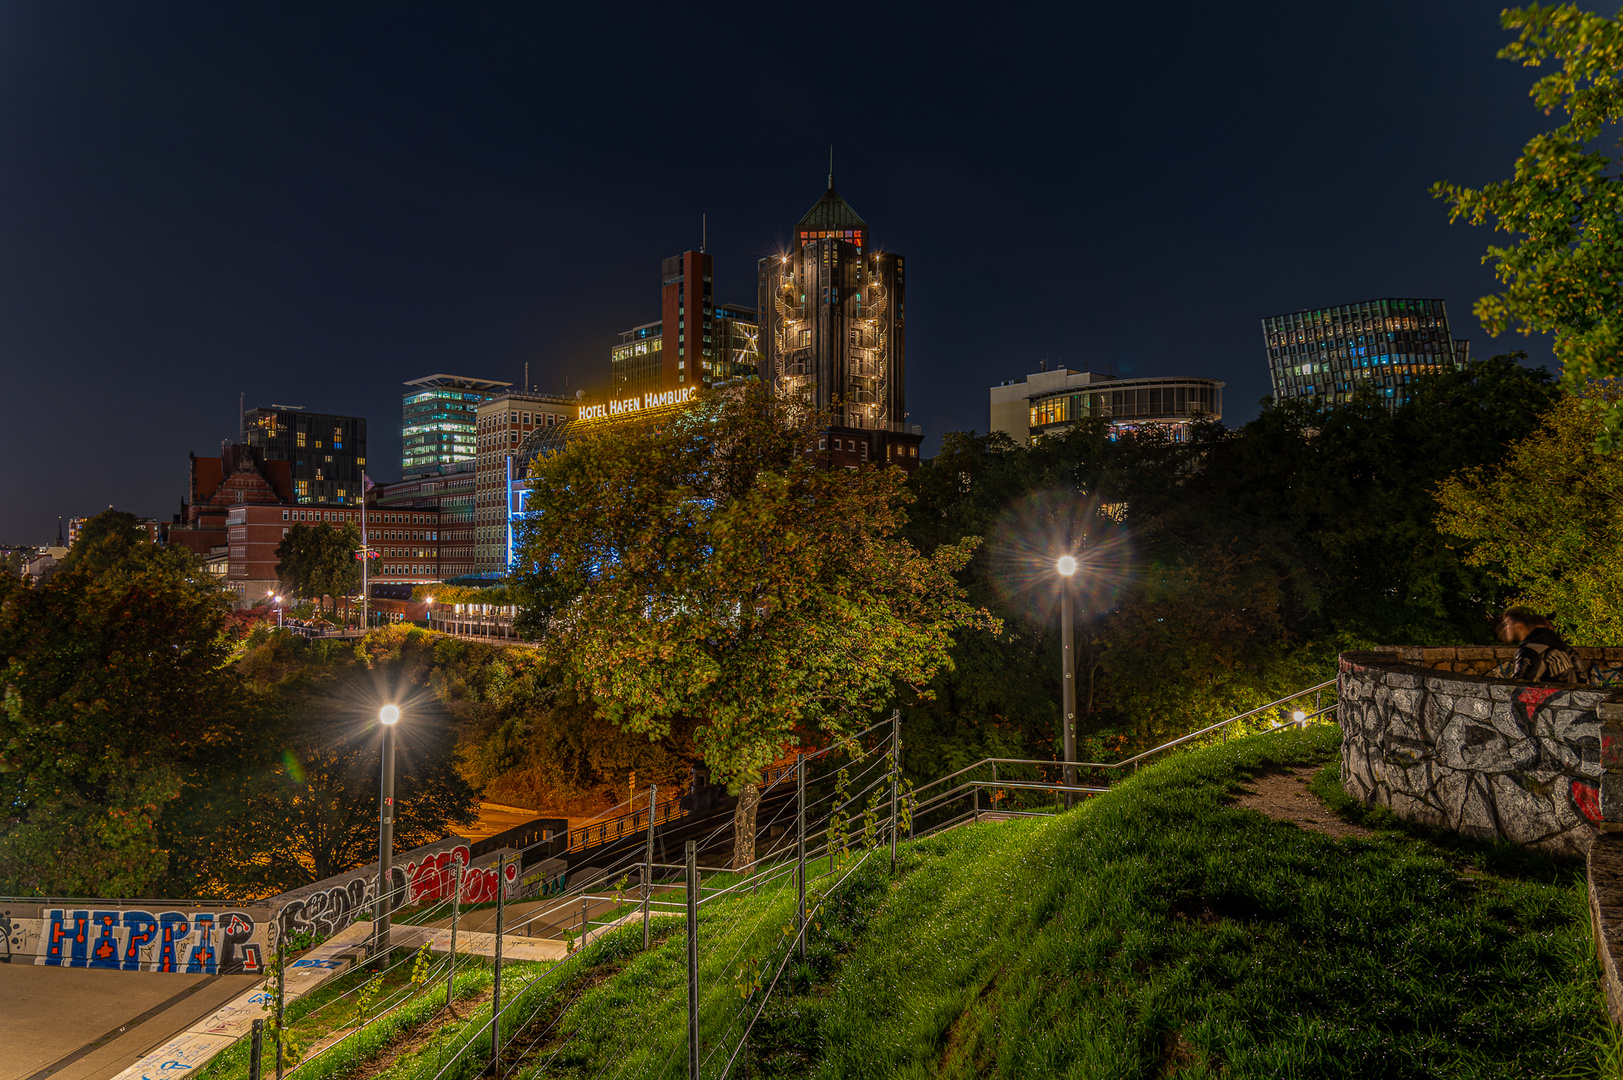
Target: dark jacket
[[1543, 657]]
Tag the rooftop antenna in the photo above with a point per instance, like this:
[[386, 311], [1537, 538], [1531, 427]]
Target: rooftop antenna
[[526, 376], [242, 422], [831, 166], [704, 231]]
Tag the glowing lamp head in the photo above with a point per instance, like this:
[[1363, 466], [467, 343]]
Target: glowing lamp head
[[1066, 566], [1298, 716], [389, 714]]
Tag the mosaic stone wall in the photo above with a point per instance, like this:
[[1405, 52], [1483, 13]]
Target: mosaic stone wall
[[1482, 756]]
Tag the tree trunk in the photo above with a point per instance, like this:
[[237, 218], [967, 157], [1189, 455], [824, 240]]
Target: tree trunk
[[749, 798]]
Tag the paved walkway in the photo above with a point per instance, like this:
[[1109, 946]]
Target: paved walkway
[[83, 1024], [137, 1025], [190, 1049]]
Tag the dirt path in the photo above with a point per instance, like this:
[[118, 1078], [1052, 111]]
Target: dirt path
[[1284, 796]]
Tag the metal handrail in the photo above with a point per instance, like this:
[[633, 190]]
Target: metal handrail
[[1136, 757], [939, 798], [1224, 723]]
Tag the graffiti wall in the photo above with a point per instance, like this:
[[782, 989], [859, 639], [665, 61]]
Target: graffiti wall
[[171, 937], [217, 942], [1481, 756], [329, 906]]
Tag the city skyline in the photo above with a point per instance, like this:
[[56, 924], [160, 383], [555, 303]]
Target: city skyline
[[182, 241]]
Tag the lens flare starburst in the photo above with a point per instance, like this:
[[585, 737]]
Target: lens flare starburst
[[1045, 534]]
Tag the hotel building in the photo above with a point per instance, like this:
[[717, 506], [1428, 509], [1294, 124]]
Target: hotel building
[[834, 333], [502, 424], [711, 344]]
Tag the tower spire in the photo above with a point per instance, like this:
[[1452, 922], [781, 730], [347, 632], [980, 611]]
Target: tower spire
[[831, 166]]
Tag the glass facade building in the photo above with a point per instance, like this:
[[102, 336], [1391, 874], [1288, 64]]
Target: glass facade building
[[637, 362], [1050, 401], [439, 421], [1327, 353], [720, 342], [326, 453]]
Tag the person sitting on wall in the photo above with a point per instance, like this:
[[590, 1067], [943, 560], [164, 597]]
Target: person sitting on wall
[[1541, 655]]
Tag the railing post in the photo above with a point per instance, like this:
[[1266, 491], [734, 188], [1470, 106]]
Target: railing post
[[256, 1047], [895, 775], [281, 985], [993, 797], [496, 984], [693, 959], [456, 910], [585, 923], [648, 862], [800, 850]]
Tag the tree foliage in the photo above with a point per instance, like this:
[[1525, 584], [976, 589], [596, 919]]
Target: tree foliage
[[714, 567], [317, 561], [1548, 521], [1565, 200], [302, 803], [115, 685], [1218, 572]]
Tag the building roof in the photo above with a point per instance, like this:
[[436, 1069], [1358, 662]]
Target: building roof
[[831, 212], [461, 382]]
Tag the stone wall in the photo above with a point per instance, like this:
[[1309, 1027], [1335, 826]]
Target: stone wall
[[1602, 667], [1482, 756]]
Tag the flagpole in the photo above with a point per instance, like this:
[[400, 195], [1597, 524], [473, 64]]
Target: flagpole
[[366, 550]]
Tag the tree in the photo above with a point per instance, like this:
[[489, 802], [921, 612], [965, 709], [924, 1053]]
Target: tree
[[300, 802], [107, 541], [1549, 520], [711, 565], [1238, 562], [317, 561], [1566, 200], [114, 685]]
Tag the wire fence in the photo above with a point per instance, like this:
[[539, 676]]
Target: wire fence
[[819, 821]]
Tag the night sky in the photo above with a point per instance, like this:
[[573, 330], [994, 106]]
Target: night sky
[[310, 205]]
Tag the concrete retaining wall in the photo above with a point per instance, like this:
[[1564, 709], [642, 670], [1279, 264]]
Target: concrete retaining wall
[[1482, 756]]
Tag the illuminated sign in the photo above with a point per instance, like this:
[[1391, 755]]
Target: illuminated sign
[[624, 406]]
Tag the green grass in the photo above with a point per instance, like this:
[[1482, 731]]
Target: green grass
[[1158, 930], [1155, 931]]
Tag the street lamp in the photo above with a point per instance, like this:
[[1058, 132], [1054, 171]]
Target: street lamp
[[431, 613], [1066, 567], [388, 716], [277, 600]]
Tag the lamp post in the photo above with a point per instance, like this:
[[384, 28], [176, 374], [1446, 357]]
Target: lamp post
[[388, 716], [431, 613], [1066, 567], [277, 600]]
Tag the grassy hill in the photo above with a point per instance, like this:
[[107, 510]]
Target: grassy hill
[[1158, 930]]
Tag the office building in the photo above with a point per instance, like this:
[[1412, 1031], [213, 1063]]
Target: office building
[[327, 453], [502, 425], [1050, 401], [438, 421], [1327, 353], [711, 344], [243, 503], [448, 491], [834, 333], [637, 363]]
